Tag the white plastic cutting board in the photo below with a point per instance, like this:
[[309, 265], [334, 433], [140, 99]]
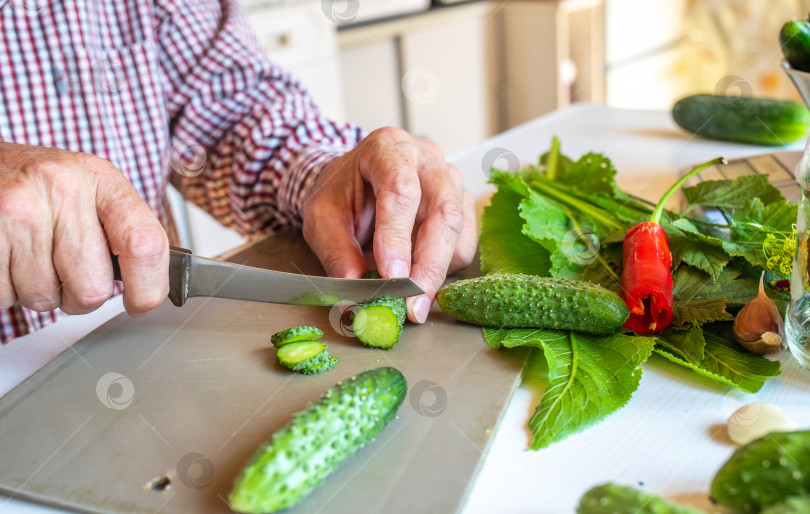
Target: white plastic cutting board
[[159, 413]]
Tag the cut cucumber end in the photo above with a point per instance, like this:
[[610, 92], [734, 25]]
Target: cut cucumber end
[[291, 335], [377, 326]]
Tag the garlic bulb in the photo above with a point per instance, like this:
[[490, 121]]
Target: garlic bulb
[[759, 326]]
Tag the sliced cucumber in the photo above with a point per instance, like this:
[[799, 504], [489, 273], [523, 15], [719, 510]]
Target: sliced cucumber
[[302, 354], [317, 441], [378, 322], [291, 335], [320, 368]]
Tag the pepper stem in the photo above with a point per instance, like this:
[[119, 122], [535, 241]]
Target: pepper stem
[[659, 208]]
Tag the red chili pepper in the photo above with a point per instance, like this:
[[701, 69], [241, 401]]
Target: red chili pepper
[[646, 285], [646, 282]]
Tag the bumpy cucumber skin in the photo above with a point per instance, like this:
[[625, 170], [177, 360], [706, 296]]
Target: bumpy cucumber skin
[[759, 121], [317, 440], [616, 499], [527, 301], [293, 334], [765, 472], [793, 505], [794, 39], [397, 307], [320, 368]]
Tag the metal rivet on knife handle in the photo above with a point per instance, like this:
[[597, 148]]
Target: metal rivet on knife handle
[[179, 269]]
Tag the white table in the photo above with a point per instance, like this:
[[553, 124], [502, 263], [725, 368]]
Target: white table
[[670, 438]]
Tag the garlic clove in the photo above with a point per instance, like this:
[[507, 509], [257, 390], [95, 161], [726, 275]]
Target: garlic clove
[[757, 419], [759, 326]]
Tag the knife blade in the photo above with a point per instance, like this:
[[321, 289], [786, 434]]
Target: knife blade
[[191, 275]]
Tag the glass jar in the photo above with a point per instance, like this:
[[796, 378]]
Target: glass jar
[[797, 317]]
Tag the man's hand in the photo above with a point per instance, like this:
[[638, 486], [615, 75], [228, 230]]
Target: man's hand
[[60, 215], [400, 190]]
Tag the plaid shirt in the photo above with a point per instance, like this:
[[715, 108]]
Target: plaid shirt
[[174, 90]]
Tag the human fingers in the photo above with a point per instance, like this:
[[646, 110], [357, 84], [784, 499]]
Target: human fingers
[[329, 225], [467, 243], [389, 162], [81, 256], [437, 237], [136, 237], [27, 225]]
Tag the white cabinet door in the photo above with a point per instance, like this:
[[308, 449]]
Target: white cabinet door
[[370, 70], [447, 82]]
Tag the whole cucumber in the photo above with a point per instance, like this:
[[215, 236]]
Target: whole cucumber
[[794, 39], [616, 499], [759, 121], [765, 472], [317, 440], [527, 301]]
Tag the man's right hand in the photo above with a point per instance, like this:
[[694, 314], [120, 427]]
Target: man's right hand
[[61, 213]]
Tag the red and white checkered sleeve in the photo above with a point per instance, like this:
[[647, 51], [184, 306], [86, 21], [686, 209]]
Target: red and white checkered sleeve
[[248, 141]]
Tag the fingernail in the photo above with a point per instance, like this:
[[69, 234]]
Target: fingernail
[[397, 269], [421, 307]]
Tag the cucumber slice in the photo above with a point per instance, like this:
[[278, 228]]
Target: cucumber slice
[[302, 354], [302, 333], [320, 368], [378, 322], [317, 440]]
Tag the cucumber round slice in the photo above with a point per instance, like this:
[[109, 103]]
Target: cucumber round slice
[[377, 325], [302, 354], [320, 368], [291, 335]]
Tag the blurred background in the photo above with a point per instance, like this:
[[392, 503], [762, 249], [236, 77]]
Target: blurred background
[[458, 72]]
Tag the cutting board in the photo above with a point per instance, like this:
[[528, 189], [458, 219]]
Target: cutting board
[[159, 413]]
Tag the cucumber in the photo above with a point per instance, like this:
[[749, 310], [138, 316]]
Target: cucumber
[[793, 505], [616, 499], [317, 440], [764, 472], [302, 354], [794, 39], [759, 121], [513, 300], [378, 322], [303, 333]]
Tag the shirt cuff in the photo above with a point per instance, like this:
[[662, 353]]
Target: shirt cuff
[[296, 184]]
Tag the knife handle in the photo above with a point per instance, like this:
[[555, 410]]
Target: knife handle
[[179, 270]]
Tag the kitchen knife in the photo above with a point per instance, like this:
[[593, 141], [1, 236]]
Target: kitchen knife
[[192, 275]]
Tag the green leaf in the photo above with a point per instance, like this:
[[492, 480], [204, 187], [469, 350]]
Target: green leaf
[[594, 173], [691, 285], [732, 194], [514, 337], [546, 223], [590, 377], [504, 247], [699, 312], [723, 360], [688, 245]]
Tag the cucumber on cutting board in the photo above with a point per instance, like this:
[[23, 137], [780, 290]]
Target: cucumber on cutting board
[[378, 322], [302, 355], [317, 440], [759, 121], [515, 300], [293, 334]]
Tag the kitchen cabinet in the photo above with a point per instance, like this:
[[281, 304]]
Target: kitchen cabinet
[[553, 55], [434, 74]]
